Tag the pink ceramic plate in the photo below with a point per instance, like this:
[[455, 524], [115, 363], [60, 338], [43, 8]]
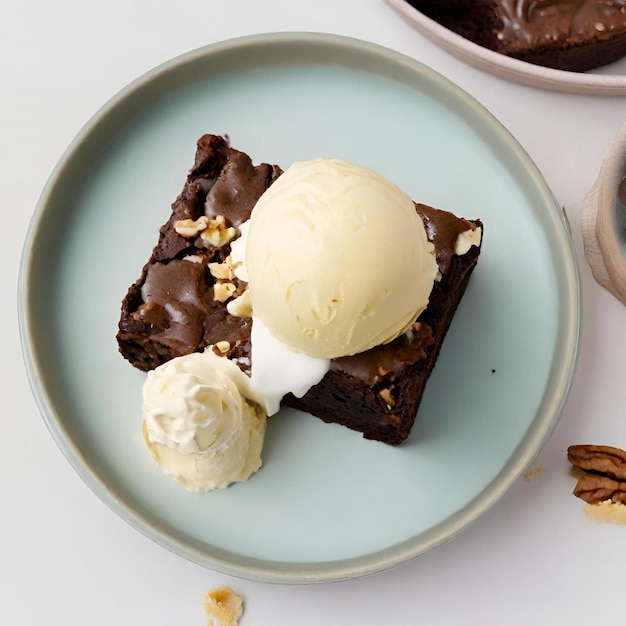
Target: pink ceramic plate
[[598, 82]]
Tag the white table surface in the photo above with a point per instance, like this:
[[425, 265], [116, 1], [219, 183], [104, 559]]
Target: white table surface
[[65, 558]]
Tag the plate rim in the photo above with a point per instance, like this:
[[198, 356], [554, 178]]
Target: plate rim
[[506, 67], [289, 572]]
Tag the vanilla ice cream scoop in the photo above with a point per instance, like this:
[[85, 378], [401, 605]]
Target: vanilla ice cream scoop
[[338, 259], [199, 427]]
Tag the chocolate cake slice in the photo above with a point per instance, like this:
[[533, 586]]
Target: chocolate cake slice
[[182, 301], [574, 35]]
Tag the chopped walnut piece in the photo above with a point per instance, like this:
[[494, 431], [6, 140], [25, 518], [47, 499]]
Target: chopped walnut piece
[[237, 268], [387, 397], [223, 346], [216, 233], [221, 271], [223, 290], [190, 228], [467, 239], [223, 607], [212, 232]]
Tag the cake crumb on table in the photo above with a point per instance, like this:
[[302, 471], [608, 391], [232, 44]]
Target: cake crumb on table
[[534, 472], [223, 607], [606, 512]]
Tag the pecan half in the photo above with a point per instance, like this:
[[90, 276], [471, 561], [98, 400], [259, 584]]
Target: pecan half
[[599, 459], [595, 489]]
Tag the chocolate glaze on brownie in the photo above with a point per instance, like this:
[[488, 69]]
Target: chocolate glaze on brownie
[[171, 309], [575, 35]]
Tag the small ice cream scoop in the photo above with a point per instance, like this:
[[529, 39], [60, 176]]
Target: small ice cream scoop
[[198, 425]]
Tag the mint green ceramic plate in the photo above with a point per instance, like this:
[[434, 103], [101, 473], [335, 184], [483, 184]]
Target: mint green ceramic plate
[[327, 504]]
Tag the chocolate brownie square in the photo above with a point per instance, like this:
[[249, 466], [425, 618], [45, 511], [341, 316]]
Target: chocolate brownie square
[[180, 302]]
